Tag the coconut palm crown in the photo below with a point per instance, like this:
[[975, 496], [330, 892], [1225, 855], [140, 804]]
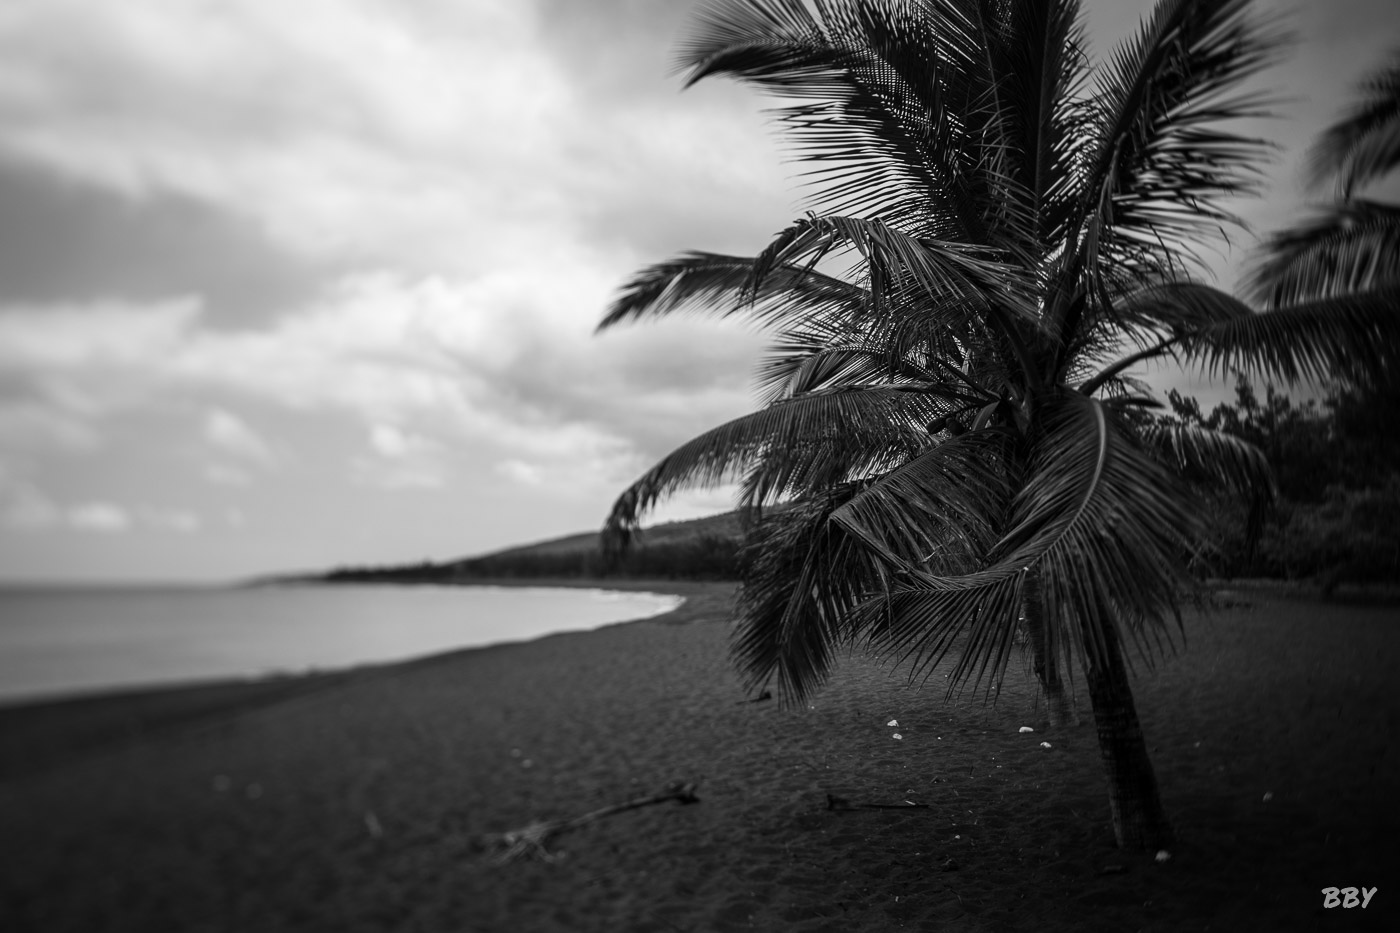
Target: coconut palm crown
[[999, 233]]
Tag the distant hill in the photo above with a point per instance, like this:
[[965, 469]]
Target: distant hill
[[725, 525], [698, 549]]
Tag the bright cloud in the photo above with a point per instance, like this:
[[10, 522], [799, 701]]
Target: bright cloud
[[356, 126], [402, 460], [473, 207], [527, 474], [232, 434], [24, 506], [396, 444], [99, 516], [57, 339], [385, 349]]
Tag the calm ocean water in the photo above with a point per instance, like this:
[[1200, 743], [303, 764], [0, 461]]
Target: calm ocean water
[[58, 642]]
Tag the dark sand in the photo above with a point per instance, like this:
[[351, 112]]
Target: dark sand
[[359, 801]]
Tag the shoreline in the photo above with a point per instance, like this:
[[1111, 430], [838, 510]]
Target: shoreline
[[46, 729], [361, 805], [117, 691]]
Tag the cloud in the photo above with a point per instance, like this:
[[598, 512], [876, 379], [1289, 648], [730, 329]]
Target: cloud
[[388, 350], [443, 205], [22, 504], [694, 503], [99, 516], [432, 137], [43, 424], [375, 343], [64, 368], [72, 336], [68, 240], [402, 460], [221, 474], [350, 128], [393, 442], [232, 434], [26, 507], [180, 520], [365, 471], [526, 474]]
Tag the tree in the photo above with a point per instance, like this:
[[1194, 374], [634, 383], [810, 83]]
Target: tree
[[1352, 244], [1334, 462], [999, 234]]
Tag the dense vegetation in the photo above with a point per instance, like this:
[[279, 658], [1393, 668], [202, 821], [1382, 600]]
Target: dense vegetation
[[1337, 466]]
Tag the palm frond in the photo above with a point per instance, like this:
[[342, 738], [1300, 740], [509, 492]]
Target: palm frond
[[895, 263], [1163, 163], [1354, 334], [793, 368], [778, 44], [891, 100], [912, 349], [1102, 523], [1160, 316], [775, 294], [1176, 307], [807, 468], [957, 288], [803, 577], [942, 511], [1215, 456], [860, 419], [1036, 69], [1349, 247], [1219, 459], [1364, 145]]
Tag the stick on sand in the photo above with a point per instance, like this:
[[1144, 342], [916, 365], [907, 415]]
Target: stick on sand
[[842, 804], [529, 841]]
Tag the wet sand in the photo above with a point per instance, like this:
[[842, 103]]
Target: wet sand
[[366, 800]]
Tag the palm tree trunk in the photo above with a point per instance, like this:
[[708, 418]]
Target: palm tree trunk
[[1139, 822], [1044, 658]]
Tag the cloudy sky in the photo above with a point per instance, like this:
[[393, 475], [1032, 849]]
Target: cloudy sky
[[286, 286]]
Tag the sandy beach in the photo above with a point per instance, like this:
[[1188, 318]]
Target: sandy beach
[[368, 800]]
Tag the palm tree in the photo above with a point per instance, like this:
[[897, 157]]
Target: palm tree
[[1348, 247], [1353, 243], [999, 234]]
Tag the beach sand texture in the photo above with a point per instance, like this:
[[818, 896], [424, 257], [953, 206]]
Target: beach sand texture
[[362, 801]]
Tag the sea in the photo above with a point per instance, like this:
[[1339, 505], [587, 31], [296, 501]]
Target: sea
[[62, 642]]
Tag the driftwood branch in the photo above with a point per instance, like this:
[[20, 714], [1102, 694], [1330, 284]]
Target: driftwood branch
[[840, 803], [530, 841]]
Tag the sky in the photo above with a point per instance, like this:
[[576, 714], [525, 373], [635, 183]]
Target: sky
[[291, 287]]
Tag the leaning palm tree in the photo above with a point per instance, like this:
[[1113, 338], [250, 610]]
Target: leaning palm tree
[[1000, 233]]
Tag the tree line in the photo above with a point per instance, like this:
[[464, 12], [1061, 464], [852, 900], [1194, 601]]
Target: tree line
[[702, 557], [1336, 463]]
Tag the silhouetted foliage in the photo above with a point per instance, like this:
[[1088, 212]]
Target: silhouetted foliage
[[1293, 437], [1337, 464]]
